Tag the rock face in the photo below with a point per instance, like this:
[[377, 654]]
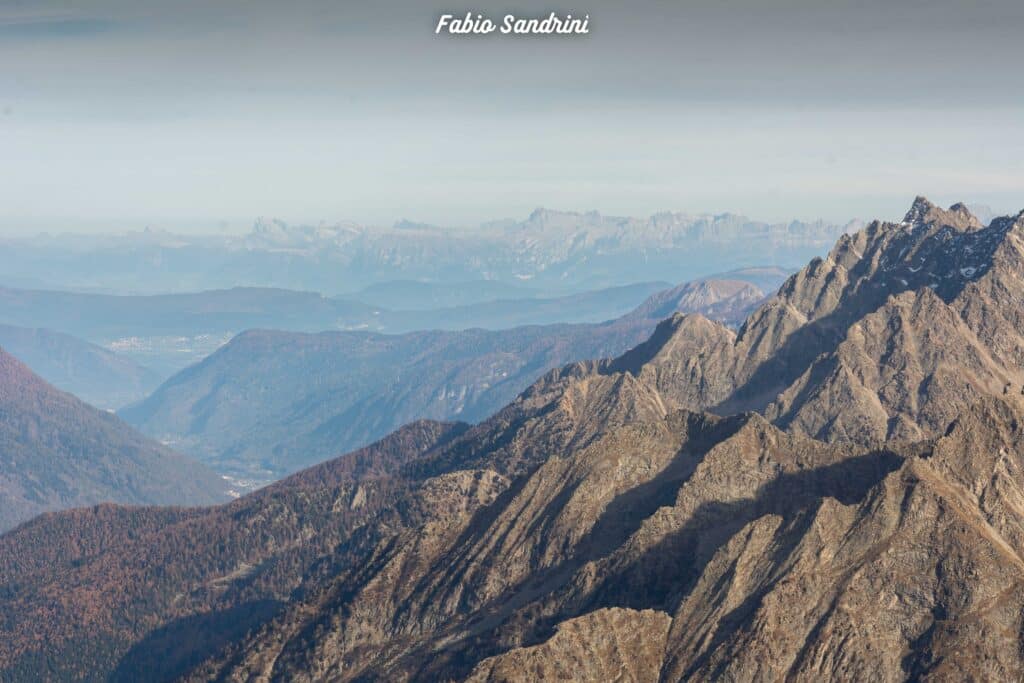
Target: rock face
[[919, 579], [890, 336], [866, 524], [57, 452], [609, 644]]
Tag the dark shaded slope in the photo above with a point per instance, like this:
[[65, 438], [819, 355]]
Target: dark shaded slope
[[57, 452], [596, 525], [121, 574]]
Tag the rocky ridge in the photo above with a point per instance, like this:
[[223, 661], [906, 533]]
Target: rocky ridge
[[604, 526]]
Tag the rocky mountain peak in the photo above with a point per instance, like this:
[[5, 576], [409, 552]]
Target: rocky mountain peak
[[864, 524], [933, 247], [919, 210], [958, 216], [806, 352]]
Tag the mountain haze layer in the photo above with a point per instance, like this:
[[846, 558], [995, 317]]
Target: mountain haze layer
[[551, 252], [269, 403], [853, 512], [94, 374], [168, 332]]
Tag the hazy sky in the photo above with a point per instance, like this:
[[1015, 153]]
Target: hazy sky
[[197, 114]]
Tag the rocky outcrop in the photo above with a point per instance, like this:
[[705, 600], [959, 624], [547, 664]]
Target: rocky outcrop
[[891, 335], [602, 526], [607, 645], [920, 579]]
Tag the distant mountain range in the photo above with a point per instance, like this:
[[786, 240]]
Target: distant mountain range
[[551, 253], [168, 332], [270, 402], [149, 338], [853, 512], [57, 452], [420, 295]]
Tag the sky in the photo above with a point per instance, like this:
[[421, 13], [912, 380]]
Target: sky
[[202, 115]]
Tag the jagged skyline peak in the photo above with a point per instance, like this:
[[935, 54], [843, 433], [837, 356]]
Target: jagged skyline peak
[[923, 211], [605, 504]]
